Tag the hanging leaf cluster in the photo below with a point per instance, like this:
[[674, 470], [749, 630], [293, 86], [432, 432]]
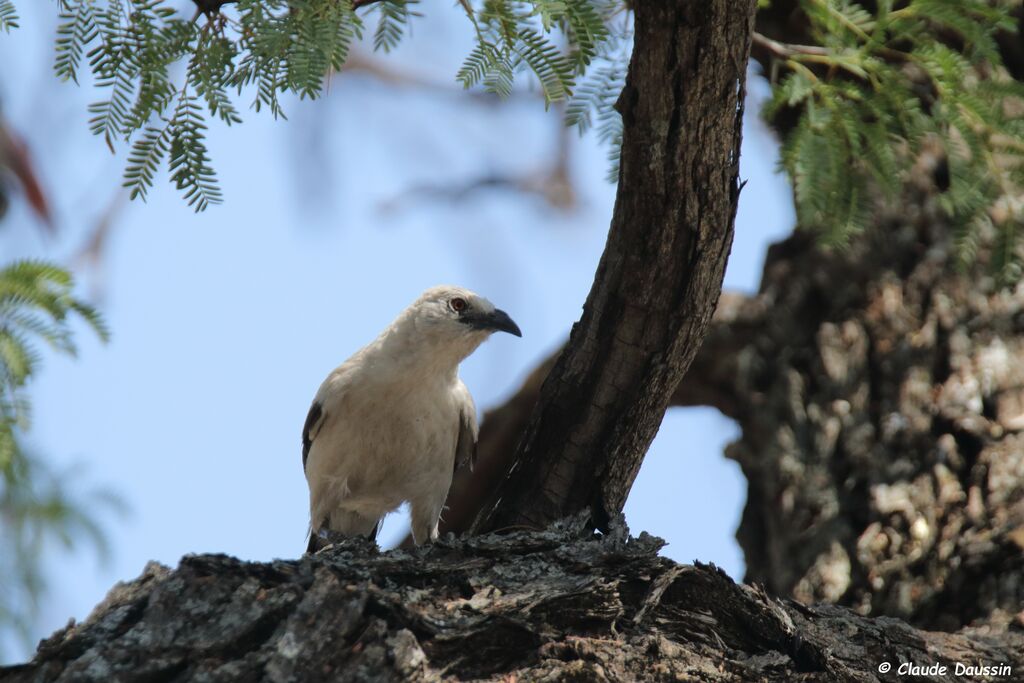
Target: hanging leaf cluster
[[8, 17], [262, 49], [878, 83], [876, 89]]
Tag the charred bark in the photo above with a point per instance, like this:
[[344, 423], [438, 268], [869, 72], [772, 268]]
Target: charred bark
[[559, 605], [660, 275]]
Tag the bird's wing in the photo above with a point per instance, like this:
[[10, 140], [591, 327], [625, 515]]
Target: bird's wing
[[314, 420], [465, 447]]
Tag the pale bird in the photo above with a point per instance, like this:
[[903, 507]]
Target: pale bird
[[392, 422]]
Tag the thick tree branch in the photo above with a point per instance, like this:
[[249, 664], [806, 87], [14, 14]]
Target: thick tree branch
[[660, 275], [558, 605]]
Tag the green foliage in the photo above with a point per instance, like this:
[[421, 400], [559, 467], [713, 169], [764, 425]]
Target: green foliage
[[273, 47], [190, 162], [513, 36], [592, 105], [879, 83], [76, 30], [881, 87], [36, 305], [39, 506], [394, 16]]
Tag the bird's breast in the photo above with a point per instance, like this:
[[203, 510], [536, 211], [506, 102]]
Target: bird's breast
[[387, 441]]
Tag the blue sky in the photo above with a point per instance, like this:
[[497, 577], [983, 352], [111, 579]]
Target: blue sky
[[225, 323]]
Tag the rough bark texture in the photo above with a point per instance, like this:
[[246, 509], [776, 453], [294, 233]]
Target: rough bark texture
[[661, 272], [882, 439], [558, 605]]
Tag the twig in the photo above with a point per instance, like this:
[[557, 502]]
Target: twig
[[787, 50]]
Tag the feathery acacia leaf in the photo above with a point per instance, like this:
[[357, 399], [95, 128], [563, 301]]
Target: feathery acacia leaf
[[76, 30], [36, 305], [274, 47], [394, 18], [888, 83], [189, 159], [552, 68], [147, 153], [8, 16]]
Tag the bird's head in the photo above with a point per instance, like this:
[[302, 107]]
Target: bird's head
[[456, 312], [440, 329], [445, 325]]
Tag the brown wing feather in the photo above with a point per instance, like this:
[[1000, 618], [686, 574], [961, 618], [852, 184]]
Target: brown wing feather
[[465, 447], [310, 429]]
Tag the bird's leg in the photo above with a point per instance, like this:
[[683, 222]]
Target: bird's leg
[[324, 538], [425, 514], [331, 537], [344, 526]]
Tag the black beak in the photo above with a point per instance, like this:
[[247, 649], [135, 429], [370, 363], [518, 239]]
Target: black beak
[[499, 321]]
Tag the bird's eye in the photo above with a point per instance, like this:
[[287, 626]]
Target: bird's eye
[[458, 305]]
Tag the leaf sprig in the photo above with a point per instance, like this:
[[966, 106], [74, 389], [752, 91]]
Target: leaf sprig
[[876, 90], [272, 47], [872, 91]]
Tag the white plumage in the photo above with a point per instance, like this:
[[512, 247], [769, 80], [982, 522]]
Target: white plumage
[[392, 422]]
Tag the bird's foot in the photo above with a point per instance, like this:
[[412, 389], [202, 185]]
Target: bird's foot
[[326, 539]]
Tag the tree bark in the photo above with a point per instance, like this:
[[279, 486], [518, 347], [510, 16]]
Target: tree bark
[[559, 605], [884, 448], [884, 437], [659, 277]]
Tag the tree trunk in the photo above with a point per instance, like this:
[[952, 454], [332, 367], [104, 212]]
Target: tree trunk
[[558, 605], [882, 440], [661, 272]]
